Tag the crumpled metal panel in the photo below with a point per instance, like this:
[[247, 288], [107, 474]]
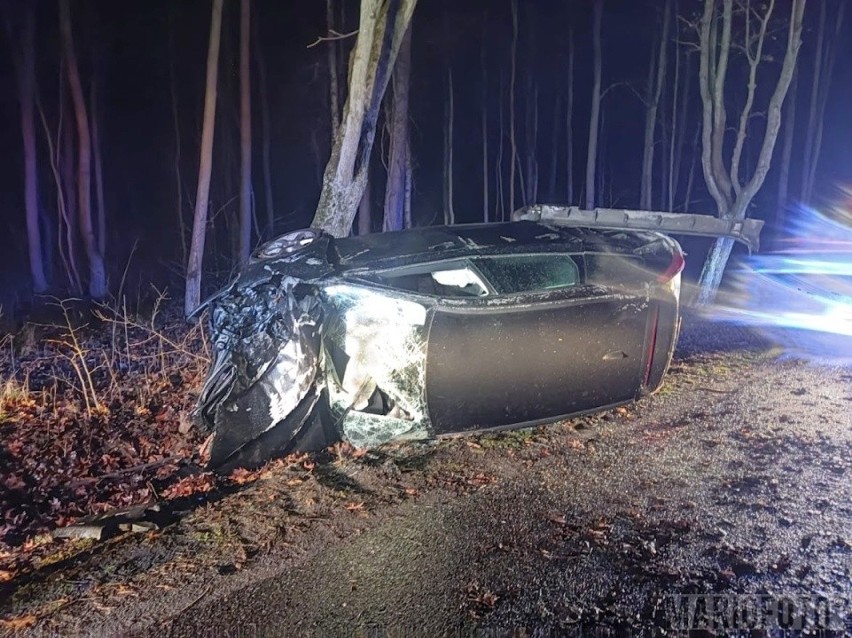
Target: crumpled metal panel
[[266, 343], [384, 337]]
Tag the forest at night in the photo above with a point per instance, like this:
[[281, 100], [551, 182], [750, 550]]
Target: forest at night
[[425, 317]]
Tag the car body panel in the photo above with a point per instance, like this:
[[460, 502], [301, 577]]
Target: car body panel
[[490, 367]]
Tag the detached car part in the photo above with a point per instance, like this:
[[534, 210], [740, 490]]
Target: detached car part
[[443, 330]]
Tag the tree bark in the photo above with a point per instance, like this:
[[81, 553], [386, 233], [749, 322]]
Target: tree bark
[[333, 89], [97, 273], [26, 68], [595, 111], [199, 226], [382, 25], [245, 131], [365, 210], [395, 189]]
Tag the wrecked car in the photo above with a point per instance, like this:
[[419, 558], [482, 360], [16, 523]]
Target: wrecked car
[[440, 331]]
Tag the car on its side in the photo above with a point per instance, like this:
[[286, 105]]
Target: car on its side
[[441, 331]]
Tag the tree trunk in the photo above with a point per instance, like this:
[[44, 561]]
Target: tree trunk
[[569, 118], [786, 156], [531, 128], [365, 210], [595, 113], [173, 91], [513, 147], [499, 203], [97, 273], [554, 148], [62, 174], [823, 72], [245, 132], [26, 67], [449, 212], [266, 132], [99, 171], [333, 90], [810, 131], [395, 189], [655, 90], [382, 25], [676, 141], [409, 181], [483, 71], [199, 224]]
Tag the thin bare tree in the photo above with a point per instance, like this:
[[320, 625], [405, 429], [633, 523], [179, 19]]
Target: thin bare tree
[[192, 297], [569, 118], [97, 159], [97, 272], [513, 145], [732, 193], [382, 25], [266, 133], [531, 143], [24, 56], [656, 81], [483, 71], [825, 56], [787, 153], [173, 94], [595, 110], [449, 126], [245, 131], [395, 189]]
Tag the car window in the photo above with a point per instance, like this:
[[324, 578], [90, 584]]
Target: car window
[[527, 273], [439, 280]]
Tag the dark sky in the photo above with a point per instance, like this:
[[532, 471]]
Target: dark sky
[[136, 46]]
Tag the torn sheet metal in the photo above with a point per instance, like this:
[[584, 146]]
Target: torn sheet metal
[[266, 343]]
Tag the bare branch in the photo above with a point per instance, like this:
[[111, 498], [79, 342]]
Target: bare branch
[[332, 36]]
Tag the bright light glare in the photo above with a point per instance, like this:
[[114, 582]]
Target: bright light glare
[[801, 296]]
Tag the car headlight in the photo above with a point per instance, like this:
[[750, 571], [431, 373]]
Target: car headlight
[[287, 244]]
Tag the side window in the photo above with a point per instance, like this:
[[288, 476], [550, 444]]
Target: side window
[[441, 280], [527, 273]]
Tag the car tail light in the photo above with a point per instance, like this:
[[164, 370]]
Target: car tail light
[[673, 269]]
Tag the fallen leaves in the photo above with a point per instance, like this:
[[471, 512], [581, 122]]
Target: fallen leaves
[[61, 460], [18, 623]]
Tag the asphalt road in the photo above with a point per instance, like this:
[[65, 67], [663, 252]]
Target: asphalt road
[[735, 481]]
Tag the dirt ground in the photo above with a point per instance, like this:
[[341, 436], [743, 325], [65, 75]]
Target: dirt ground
[[735, 479]]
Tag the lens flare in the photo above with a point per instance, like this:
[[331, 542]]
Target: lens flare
[[800, 295]]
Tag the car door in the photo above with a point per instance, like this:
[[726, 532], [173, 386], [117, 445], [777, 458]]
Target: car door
[[534, 352]]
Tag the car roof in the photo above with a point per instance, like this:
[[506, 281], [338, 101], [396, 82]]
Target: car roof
[[448, 242]]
